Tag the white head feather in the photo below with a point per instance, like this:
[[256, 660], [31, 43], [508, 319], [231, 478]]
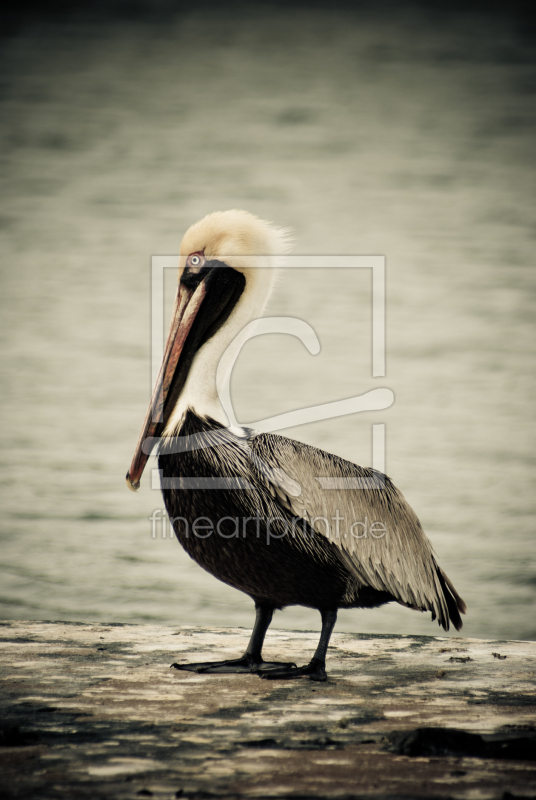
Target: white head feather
[[250, 246]]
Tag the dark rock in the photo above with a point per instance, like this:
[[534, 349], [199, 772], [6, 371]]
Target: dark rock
[[260, 743], [452, 742], [14, 737]]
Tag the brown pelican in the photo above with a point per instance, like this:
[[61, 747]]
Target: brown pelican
[[251, 508]]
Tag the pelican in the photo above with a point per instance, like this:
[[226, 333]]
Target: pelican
[[249, 507]]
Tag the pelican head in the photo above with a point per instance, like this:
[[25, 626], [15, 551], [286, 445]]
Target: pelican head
[[227, 269]]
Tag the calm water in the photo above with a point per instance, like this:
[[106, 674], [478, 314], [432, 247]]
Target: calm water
[[400, 135]]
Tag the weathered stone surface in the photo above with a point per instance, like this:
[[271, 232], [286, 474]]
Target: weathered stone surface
[[95, 711]]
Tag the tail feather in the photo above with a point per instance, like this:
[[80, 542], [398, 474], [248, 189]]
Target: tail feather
[[455, 604]]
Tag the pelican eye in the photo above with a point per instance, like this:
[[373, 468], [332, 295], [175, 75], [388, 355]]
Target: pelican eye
[[196, 260]]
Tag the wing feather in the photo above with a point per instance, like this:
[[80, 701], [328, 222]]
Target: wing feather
[[366, 516]]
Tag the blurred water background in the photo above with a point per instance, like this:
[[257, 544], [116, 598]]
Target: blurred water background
[[397, 129]]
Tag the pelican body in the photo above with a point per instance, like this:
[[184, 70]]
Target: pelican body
[[250, 508]]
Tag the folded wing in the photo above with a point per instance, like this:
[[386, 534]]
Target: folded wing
[[366, 516]]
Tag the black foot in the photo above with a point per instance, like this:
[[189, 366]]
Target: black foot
[[246, 664], [315, 671]]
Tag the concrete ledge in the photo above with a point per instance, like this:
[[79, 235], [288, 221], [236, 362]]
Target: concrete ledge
[[95, 711]]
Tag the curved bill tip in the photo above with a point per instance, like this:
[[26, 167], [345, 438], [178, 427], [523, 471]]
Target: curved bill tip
[[132, 485]]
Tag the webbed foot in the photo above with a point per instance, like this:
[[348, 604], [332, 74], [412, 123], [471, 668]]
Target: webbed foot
[[246, 664], [315, 671]]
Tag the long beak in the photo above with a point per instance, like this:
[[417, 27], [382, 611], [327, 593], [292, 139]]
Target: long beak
[[187, 305]]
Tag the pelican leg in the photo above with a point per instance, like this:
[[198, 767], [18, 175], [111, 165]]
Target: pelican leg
[[252, 660], [316, 669]]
